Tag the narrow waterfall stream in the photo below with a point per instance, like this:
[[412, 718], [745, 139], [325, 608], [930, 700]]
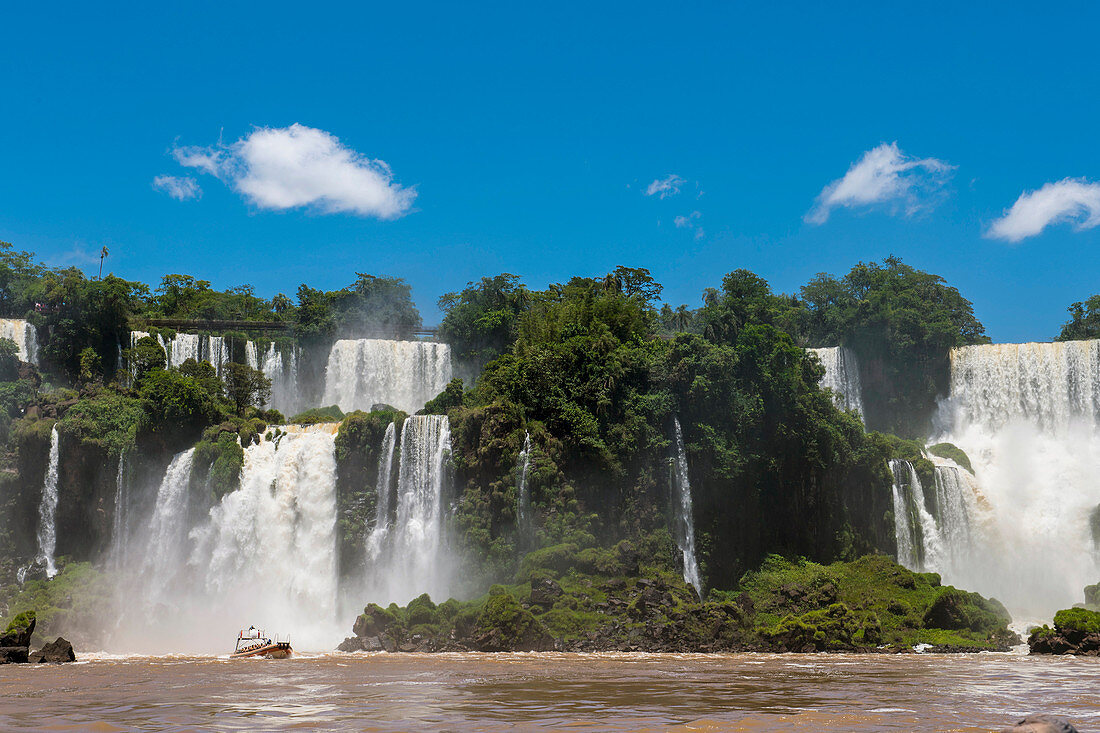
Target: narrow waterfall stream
[[683, 524], [524, 516], [402, 374], [841, 376], [47, 510], [376, 538]]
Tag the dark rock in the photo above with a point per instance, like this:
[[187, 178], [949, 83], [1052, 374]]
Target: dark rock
[[351, 644], [1042, 724], [13, 654], [57, 651], [15, 642], [545, 593]]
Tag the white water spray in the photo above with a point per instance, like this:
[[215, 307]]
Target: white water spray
[[24, 336], [524, 515], [376, 538], [402, 374], [1028, 417], [47, 510], [841, 376], [414, 558], [683, 525]]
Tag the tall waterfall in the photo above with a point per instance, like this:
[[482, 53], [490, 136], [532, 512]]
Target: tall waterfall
[[841, 376], [414, 557], [403, 374], [1028, 416], [24, 336], [376, 539], [683, 525], [119, 524], [264, 554], [282, 369], [524, 515], [47, 509]]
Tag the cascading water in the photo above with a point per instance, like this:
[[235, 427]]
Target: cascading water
[[165, 551], [184, 346], [47, 510], [683, 524], [264, 553], [119, 525], [404, 374], [376, 539], [1028, 417], [413, 558], [841, 376], [920, 539], [524, 516], [24, 336], [282, 370]]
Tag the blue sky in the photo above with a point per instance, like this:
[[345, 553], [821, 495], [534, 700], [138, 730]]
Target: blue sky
[[523, 139]]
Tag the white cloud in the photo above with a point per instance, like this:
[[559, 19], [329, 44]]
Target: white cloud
[[1068, 200], [691, 221], [664, 187], [299, 166], [181, 189], [883, 176]]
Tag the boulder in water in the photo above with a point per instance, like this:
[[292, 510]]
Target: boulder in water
[[1042, 724], [57, 651]]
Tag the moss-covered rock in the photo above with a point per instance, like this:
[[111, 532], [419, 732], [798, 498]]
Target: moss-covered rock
[[951, 452]]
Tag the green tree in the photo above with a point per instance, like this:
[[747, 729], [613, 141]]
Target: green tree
[[145, 357], [91, 365], [9, 360], [245, 386], [480, 321], [1084, 321]]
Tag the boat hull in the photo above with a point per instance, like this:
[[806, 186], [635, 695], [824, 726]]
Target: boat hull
[[279, 650]]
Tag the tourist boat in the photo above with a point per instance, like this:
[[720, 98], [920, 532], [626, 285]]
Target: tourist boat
[[255, 643]]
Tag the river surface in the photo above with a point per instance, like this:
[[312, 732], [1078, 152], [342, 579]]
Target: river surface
[[477, 692]]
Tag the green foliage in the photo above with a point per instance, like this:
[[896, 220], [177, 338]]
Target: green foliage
[[145, 357], [9, 360], [177, 407], [245, 386], [73, 603], [105, 419], [953, 452], [901, 322], [182, 296], [20, 623], [451, 397], [91, 365], [480, 321], [218, 459], [1084, 321], [315, 415], [1077, 619]]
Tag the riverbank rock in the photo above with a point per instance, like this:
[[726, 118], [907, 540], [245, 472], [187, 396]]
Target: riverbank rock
[[1041, 724], [58, 651], [1076, 631], [16, 640]]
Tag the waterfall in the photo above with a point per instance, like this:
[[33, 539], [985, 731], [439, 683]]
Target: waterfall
[[841, 376], [24, 336], [119, 524], [165, 551], [184, 346], [524, 516], [683, 524], [404, 374], [264, 553], [282, 370], [1028, 416], [47, 510], [376, 539], [414, 557], [919, 538]]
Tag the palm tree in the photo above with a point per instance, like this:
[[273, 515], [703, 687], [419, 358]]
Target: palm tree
[[102, 256], [682, 317]]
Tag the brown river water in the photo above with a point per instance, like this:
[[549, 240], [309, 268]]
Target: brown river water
[[478, 692]]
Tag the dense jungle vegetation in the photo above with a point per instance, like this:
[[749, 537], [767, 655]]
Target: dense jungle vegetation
[[594, 369]]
